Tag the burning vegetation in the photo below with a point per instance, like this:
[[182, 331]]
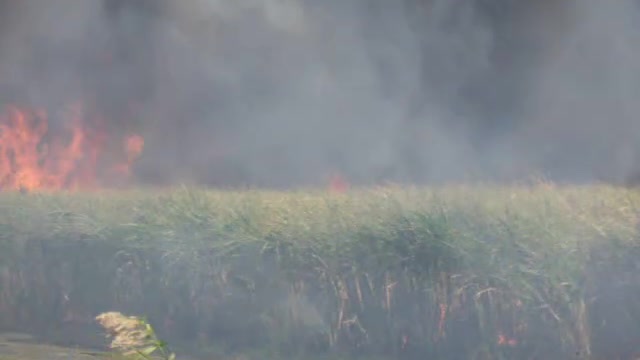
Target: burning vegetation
[[36, 156], [461, 272]]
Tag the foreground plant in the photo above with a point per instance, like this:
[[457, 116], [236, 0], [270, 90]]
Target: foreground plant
[[133, 337]]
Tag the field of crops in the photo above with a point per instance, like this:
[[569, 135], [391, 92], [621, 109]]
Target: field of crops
[[458, 272]]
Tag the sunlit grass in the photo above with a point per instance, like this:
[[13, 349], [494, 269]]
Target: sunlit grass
[[440, 271]]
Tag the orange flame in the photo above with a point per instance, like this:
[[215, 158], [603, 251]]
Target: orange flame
[[133, 146], [338, 184], [31, 157], [506, 341]]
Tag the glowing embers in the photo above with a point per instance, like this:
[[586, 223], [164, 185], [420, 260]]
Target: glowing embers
[[32, 156]]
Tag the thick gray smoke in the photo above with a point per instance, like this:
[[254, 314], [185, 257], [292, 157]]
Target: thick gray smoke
[[581, 114], [287, 92]]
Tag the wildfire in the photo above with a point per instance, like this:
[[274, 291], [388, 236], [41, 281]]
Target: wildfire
[[337, 184], [33, 157]]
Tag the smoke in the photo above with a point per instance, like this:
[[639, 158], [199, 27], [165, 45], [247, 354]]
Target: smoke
[[287, 92], [581, 114]]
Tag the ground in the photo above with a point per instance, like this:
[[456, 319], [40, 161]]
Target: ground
[[23, 347]]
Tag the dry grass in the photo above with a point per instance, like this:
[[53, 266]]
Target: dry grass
[[129, 334]]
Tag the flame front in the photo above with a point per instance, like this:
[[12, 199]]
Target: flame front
[[32, 158]]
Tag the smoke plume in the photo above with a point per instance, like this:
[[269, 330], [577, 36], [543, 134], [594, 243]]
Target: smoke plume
[[288, 92]]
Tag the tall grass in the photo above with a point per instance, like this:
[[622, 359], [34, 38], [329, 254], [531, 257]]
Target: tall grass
[[459, 272]]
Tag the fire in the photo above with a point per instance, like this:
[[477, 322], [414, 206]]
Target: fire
[[338, 184], [506, 341], [133, 146], [33, 157]]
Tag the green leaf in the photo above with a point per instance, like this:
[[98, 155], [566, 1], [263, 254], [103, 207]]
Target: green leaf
[[148, 350]]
